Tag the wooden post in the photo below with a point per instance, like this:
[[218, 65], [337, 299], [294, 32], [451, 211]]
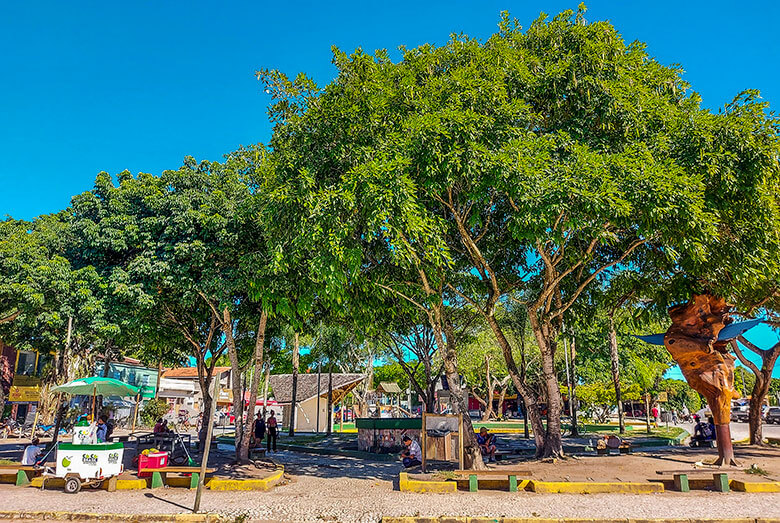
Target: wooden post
[[209, 433], [135, 411], [35, 422]]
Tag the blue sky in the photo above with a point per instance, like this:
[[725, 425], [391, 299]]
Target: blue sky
[[92, 86], [107, 86]]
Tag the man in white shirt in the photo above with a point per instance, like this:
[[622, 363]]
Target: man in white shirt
[[31, 453], [412, 454]]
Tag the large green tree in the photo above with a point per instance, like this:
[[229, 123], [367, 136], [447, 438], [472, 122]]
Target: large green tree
[[534, 164]]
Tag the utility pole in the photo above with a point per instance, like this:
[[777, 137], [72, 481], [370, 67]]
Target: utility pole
[[319, 376], [209, 433]]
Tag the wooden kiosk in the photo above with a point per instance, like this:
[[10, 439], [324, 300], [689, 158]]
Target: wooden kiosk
[[441, 438]]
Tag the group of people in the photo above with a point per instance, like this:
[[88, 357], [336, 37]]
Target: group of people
[[703, 432], [266, 429], [411, 455]]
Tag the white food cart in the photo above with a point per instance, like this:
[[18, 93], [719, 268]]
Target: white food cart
[[87, 465]]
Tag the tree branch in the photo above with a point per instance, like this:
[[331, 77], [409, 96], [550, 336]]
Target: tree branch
[[746, 362]]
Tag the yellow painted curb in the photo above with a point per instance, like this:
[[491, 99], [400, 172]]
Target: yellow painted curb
[[121, 484], [411, 485], [88, 516], [127, 484], [462, 519], [581, 487], [247, 484], [747, 486], [8, 478]]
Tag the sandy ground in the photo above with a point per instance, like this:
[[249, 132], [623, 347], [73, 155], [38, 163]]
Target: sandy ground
[[644, 465], [344, 489]]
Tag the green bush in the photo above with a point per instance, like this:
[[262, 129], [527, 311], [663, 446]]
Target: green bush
[[154, 410]]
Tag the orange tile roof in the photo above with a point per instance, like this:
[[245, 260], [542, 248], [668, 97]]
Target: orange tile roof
[[189, 372]]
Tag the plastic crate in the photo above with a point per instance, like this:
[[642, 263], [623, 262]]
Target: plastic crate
[[157, 460]]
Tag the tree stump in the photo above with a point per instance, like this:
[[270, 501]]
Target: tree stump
[[706, 363]]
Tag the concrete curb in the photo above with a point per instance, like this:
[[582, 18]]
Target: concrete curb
[[747, 486], [583, 487], [544, 487], [88, 516], [461, 519], [412, 485], [248, 484], [121, 484]]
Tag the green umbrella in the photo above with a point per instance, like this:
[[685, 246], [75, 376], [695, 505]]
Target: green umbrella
[[97, 387]]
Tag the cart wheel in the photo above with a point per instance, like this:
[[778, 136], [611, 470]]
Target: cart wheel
[[72, 485]]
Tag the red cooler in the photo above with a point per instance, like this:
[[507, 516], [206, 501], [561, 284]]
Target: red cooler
[[157, 460]]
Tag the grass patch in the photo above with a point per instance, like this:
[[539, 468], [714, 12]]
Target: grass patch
[[755, 469], [661, 432], [8, 462]]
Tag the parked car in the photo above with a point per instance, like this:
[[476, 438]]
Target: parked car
[[773, 415], [740, 413]]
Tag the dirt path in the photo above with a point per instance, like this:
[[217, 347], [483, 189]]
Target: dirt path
[[347, 489]]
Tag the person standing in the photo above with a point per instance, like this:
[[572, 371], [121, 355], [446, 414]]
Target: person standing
[[271, 427], [259, 429], [654, 412]]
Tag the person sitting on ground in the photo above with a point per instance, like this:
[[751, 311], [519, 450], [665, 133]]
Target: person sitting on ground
[[259, 429], [487, 444], [32, 452], [411, 456]]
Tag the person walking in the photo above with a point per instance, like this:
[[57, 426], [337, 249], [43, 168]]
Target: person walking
[[271, 430]]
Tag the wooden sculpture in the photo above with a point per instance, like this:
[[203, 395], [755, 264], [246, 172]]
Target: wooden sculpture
[[704, 361]]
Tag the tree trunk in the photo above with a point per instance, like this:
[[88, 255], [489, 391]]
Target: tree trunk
[[553, 441], [613, 355], [265, 386], [484, 403], [472, 455], [257, 369], [235, 381], [330, 399], [575, 404], [530, 399], [647, 411], [294, 403], [59, 371], [159, 377], [760, 387], [692, 340], [490, 392]]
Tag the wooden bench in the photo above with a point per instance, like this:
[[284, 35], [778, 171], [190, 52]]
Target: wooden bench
[[475, 475], [719, 477], [624, 448], [159, 476], [257, 452], [24, 473]]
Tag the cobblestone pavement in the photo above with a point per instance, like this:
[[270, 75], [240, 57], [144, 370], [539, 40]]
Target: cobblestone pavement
[[322, 488]]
